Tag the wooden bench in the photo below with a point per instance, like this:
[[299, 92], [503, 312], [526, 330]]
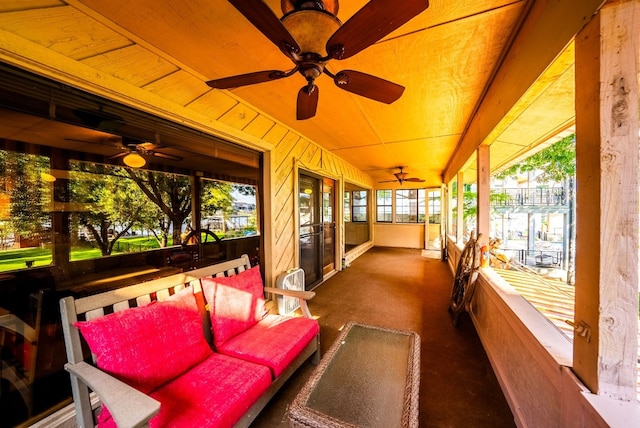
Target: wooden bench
[[119, 396]]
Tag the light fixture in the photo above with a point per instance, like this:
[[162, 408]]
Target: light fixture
[[134, 160], [49, 178], [311, 29]]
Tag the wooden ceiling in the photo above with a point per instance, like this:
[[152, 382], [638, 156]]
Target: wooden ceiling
[[496, 72]]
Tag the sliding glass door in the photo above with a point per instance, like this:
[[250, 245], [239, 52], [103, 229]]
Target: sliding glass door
[[317, 227]]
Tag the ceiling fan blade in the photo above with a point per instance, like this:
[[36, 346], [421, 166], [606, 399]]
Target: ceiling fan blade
[[387, 181], [167, 156], [247, 79], [263, 18], [374, 21], [118, 155], [307, 102], [368, 86], [413, 179]]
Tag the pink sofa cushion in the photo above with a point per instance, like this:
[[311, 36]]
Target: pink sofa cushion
[[235, 303], [147, 346], [275, 341], [215, 393]]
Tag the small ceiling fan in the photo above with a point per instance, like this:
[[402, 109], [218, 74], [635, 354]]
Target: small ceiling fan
[[401, 177], [134, 153], [311, 35]]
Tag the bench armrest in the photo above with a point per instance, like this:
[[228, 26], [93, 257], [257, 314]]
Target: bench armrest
[[300, 294], [128, 406]]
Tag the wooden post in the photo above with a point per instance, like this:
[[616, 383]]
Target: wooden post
[[606, 306], [460, 209], [483, 183], [60, 225]]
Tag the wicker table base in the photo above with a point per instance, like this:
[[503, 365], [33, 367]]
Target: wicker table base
[[369, 378]]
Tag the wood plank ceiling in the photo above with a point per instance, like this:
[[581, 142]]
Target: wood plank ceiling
[[446, 58]]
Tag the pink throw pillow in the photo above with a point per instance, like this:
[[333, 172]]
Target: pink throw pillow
[[235, 303], [150, 345]]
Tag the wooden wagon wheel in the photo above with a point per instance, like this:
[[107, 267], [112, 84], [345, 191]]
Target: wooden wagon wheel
[[465, 279]]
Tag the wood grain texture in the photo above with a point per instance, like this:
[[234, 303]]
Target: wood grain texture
[[607, 201]]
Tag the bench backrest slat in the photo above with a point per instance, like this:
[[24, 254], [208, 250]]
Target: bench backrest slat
[[159, 288]]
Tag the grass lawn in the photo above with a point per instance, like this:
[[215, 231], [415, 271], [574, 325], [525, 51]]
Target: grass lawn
[[14, 259]]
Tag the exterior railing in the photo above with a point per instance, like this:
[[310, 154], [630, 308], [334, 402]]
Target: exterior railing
[[542, 258], [555, 196]]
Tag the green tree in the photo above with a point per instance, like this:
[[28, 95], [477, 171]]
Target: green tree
[[217, 198], [112, 203], [28, 194], [554, 163], [171, 193]]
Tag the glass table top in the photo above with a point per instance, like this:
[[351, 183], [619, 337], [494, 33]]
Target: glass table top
[[369, 378]]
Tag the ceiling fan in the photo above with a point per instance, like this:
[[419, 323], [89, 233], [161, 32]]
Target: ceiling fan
[[401, 177], [134, 153], [311, 35]]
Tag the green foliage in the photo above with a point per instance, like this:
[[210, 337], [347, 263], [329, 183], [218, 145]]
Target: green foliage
[[217, 198], [171, 193], [112, 203], [27, 192], [556, 163]]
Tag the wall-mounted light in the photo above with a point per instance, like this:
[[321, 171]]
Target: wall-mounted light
[[308, 191], [134, 160]]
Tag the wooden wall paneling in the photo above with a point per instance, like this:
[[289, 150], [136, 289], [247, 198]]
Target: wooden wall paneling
[[51, 27], [276, 134], [302, 149], [284, 206], [311, 157], [526, 372], [213, 104], [179, 87], [282, 150], [133, 64], [239, 116], [330, 164], [260, 126]]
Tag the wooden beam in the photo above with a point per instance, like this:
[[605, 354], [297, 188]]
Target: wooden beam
[[606, 306], [460, 209], [484, 188], [548, 28]]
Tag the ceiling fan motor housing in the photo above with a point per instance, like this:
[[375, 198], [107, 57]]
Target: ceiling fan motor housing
[[312, 29], [328, 5]]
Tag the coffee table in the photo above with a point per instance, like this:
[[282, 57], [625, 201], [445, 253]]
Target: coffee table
[[369, 378]]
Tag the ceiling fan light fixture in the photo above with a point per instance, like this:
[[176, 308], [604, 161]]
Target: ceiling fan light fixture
[[401, 175], [311, 29], [47, 177], [134, 160]]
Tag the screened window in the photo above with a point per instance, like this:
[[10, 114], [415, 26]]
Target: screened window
[[359, 206], [347, 207], [384, 206], [410, 206], [111, 210], [435, 209]]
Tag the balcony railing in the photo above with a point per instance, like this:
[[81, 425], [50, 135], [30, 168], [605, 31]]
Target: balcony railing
[[555, 196]]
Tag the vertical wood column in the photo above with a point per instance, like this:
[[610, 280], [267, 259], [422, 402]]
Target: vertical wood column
[[460, 209], [607, 201], [483, 184], [60, 225]]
